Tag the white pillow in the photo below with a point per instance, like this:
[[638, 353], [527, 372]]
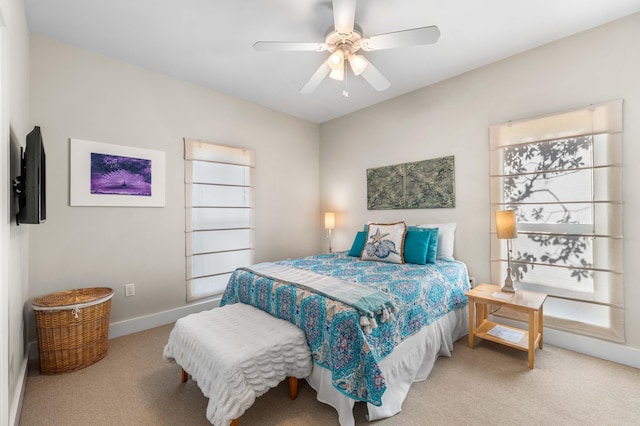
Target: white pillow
[[385, 242], [446, 236]]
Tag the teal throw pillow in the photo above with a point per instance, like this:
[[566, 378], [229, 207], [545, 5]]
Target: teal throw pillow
[[432, 249], [358, 244], [416, 244]]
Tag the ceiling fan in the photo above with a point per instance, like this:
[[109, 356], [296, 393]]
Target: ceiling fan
[[344, 40]]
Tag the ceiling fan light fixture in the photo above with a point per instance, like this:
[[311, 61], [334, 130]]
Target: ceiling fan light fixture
[[336, 60], [344, 39], [358, 64], [337, 74]]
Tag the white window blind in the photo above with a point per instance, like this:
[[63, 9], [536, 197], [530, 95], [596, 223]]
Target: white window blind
[[562, 173], [219, 215]]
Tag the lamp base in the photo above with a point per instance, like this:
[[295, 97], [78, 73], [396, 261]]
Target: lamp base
[[508, 282], [508, 286], [506, 289]]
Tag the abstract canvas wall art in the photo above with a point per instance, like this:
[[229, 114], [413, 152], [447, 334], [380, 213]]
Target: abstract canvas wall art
[[116, 175], [427, 184]]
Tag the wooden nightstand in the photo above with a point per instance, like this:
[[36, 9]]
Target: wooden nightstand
[[528, 302]]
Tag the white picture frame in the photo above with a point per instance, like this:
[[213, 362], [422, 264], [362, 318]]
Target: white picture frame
[[82, 192]]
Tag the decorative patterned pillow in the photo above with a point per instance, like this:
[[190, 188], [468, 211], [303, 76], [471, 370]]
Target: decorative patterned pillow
[[385, 242]]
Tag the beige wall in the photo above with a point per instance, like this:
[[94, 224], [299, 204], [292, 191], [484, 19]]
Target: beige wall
[[14, 112], [78, 94], [453, 117]]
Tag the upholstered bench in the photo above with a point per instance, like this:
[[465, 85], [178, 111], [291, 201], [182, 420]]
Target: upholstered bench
[[236, 353]]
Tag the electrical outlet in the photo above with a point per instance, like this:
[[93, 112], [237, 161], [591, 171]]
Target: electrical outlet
[[472, 281], [129, 290]]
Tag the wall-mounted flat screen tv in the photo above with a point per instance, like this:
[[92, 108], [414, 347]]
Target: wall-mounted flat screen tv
[[32, 192]]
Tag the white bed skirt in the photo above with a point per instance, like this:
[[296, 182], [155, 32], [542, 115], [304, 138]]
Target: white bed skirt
[[411, 361]]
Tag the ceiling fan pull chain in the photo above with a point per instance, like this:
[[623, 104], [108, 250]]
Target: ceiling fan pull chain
[[345, 92]]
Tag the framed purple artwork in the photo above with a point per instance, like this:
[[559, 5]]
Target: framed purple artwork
[[116, 175]]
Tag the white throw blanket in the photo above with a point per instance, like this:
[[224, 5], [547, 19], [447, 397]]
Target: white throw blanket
[[237, 353]]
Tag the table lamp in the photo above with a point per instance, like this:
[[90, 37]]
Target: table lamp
[[507, 229], [329, 224]]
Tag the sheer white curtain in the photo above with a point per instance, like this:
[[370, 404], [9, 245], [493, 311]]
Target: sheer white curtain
[[562, 173], [219, 215]]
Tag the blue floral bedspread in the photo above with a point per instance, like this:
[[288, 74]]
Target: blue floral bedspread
[[422, 294]]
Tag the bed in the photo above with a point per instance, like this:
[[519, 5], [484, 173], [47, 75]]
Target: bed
[[358, 356]]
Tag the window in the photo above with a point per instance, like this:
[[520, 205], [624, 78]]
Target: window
[[219, 215], [562, 174]]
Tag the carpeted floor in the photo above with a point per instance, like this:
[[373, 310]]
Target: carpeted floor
[[490, 384]]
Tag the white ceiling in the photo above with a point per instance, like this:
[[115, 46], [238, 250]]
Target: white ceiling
[[209, 42]]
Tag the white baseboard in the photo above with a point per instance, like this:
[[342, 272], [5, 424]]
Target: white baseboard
[[16, 402], [146, 322], [610, 351]]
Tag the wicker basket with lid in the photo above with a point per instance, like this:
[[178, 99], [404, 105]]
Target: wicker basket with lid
[[73, 328]]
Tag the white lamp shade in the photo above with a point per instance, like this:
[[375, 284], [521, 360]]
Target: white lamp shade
[[358, 64], [336, 60], [336, 63], [329, 220], [506, 225], [337, 74]]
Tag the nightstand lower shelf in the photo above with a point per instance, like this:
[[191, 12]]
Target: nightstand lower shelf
[[523, 344]]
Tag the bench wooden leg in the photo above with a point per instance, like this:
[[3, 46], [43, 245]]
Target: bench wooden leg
[[185, 376], [293, 387]]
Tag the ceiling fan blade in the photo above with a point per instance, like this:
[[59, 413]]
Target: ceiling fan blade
[[344, 15], [289, 46], [374, 77], [413, 37], [316, 79]]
